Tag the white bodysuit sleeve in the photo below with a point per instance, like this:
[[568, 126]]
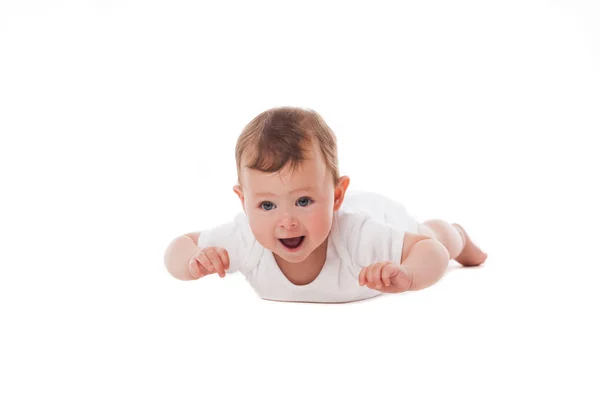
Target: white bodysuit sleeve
[[370, 241], [236, 237]]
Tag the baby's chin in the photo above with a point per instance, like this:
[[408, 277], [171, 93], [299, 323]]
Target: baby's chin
[[293, 257], [292, 260]]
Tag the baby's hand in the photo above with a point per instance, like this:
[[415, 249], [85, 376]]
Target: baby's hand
[[386, 277], [208, 261]]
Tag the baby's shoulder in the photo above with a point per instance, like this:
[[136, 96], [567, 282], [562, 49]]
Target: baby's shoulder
[[348, 222], [353, 224], [237, 229]]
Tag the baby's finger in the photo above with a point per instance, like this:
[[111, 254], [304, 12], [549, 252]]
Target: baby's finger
[[205, 262], [378, 274], [386, 273], [224, 255], [216, 261], [362, 276], [374, 276], [193, 268]]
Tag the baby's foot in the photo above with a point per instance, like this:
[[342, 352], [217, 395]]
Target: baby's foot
[[471, 254]]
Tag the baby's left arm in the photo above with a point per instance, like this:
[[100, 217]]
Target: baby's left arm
[[423, 262]]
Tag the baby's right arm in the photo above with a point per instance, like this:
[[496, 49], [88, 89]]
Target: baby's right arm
[[186, 261]]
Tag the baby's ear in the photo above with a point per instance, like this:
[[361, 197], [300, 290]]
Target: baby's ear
[[340, 192], [238, 190]]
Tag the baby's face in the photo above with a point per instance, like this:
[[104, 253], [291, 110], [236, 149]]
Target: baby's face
[[287, 205]]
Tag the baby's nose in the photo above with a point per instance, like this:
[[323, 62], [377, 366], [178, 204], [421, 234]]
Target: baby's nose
[[288, 222]]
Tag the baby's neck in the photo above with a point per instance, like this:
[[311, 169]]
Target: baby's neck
[[306, 271]]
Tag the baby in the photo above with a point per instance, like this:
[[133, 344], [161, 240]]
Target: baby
[[303, 236]]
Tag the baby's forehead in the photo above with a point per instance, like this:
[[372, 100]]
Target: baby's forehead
[[283, 181], [282, 177]]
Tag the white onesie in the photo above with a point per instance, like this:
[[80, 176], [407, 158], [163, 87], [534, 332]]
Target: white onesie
[[367, 229]]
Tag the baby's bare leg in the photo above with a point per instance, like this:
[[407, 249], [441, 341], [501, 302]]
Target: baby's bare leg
[[455, 239]]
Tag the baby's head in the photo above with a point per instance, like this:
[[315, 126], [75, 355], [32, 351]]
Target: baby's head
[[288, 180]]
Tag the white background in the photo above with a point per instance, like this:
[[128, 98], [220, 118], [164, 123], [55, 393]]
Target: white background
[[118, 122]]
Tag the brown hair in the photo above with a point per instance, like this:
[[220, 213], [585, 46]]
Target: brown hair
[[281, 135]]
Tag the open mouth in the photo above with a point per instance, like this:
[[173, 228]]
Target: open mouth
[[292, 243]]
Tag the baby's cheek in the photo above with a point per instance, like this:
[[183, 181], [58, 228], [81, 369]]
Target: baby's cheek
[[259, 229], [321, 222]]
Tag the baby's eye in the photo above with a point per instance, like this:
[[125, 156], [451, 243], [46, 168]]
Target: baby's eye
[[267, 205], [304, 201]]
